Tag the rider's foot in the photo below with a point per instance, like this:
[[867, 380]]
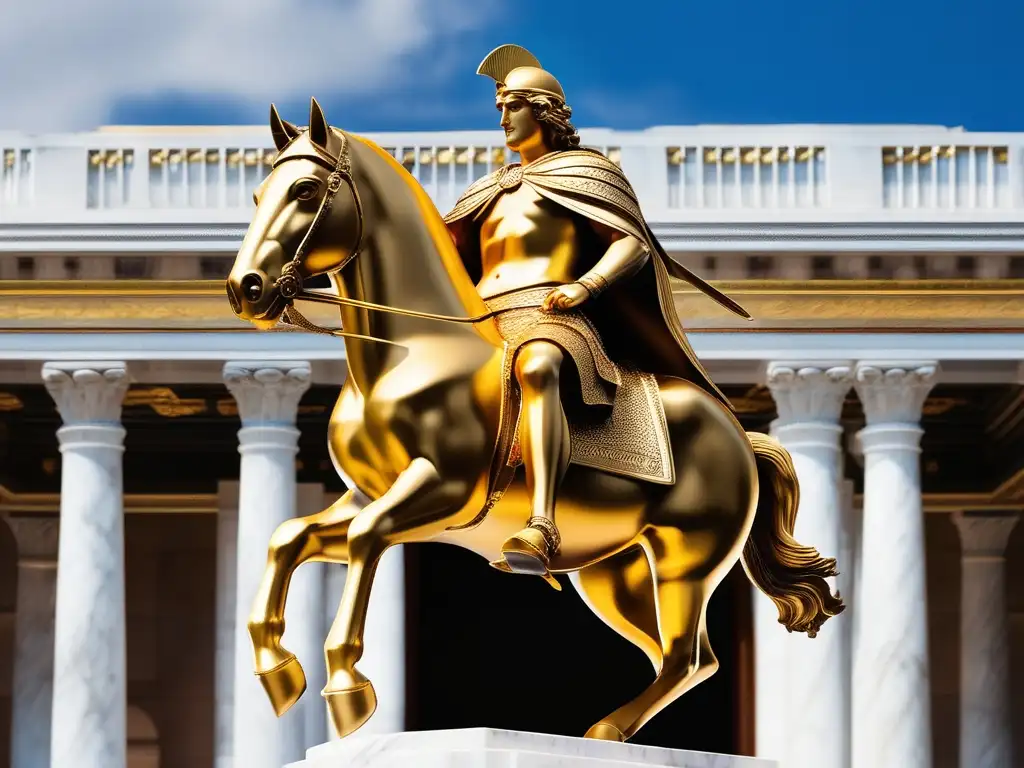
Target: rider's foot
[[530, 550]]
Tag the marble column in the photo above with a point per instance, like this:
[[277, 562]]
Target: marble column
[[90, 670], [307, 631], [891, 688], [268, 396], [225, 623], [32, 694], [986, 736], [815, 695], [849, 567]]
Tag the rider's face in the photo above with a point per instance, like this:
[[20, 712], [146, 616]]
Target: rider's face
[[521, 127]]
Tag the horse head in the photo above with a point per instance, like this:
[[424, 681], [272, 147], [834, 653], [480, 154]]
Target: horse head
[[307, 220]]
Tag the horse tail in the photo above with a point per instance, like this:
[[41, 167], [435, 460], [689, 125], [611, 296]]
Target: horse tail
[[792, 575]]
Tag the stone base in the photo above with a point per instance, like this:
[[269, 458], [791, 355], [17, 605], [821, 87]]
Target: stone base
[[489, 748]]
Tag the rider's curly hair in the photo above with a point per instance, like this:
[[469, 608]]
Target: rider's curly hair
[[553, 116]]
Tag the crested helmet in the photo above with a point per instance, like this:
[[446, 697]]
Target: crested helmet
[[515, 69]]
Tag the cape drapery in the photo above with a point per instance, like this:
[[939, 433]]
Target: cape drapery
[[636, 316]]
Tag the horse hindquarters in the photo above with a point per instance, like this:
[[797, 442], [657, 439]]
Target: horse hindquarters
[[694, 534]]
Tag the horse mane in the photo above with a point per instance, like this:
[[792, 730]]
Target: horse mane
[[430, 218]]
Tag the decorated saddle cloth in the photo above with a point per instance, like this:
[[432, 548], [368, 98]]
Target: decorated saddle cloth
[[620, 427]]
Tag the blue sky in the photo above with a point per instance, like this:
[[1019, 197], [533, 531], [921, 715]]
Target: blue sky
[[623, 65]]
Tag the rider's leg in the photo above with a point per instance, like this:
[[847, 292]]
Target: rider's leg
[[544, 439]]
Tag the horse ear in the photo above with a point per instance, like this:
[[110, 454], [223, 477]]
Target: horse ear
[[318, 128], [282, 131]]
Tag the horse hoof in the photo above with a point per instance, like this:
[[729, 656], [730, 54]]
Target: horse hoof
[[605, 732], [284, 684], [350, 708]]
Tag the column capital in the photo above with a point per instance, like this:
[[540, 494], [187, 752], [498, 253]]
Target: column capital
[[87, 393], [984, 534], [267, 394], [894, 392], [37, 537], [812, 392]]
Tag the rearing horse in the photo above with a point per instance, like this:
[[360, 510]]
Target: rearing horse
[[416, 426]]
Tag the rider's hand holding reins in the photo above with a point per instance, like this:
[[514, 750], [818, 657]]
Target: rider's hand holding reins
[[565, 297]]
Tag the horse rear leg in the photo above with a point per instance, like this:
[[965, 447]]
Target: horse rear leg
[[320, 537], [620, 590], [682, 587]]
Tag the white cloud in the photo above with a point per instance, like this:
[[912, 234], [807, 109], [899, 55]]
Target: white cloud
[[66, 64]]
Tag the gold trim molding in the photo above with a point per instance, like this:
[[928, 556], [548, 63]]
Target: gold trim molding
[[777, 305], [860, 305], [206, 504], [134, 503]]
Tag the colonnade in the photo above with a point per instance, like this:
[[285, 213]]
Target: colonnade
[[70, 645], [857, 696]]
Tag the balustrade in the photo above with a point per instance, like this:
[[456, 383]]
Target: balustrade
[[677, 172]]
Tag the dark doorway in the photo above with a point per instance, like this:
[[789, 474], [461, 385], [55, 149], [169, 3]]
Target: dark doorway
[[471, 663]]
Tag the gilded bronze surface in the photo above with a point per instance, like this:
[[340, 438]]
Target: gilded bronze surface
[[418, 426]]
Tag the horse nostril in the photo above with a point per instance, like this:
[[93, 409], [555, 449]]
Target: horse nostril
[[236, 305], [252, 287]]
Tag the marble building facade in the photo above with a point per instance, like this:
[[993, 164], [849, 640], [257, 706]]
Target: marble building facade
[[126, 584]]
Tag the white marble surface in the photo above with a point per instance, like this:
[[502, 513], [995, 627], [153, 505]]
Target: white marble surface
[[986, 736], [814, 701], [268, 397], [226, 626], [891, 715], [32, 685], [90, 677], [489, 748]]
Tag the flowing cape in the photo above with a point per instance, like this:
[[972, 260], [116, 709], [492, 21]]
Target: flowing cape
[[635, 316]]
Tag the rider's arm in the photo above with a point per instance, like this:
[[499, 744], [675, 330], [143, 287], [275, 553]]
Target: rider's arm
[[623, 258]]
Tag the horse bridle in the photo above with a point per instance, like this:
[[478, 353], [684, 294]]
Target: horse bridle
[[289, 284]]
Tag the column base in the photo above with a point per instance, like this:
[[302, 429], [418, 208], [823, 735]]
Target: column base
[[490, 748]]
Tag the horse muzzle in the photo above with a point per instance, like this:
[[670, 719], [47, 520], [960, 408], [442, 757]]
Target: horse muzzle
[[253, 296]]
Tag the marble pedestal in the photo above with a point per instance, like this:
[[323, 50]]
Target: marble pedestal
[[489, 748]]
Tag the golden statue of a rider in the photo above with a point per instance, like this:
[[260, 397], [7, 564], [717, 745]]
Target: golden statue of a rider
[[564, 223]]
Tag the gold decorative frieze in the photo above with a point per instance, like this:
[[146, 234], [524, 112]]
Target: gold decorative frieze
[[776, 305], [227, 406], [134, 503], [9, 402], [756, 400], [165, 402]]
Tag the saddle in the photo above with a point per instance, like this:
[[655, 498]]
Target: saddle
[[621, 427]]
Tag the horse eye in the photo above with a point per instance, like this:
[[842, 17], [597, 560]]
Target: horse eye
[[305, 191]]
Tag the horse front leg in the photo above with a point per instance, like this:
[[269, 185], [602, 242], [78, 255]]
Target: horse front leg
[[320, 537], [413, 509]]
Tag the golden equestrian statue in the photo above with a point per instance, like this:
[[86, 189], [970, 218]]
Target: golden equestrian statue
[[520, 386]]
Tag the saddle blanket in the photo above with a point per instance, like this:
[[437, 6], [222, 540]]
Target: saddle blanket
[[628, 436]]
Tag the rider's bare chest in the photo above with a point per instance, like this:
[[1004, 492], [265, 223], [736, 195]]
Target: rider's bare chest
[[523, 226]]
